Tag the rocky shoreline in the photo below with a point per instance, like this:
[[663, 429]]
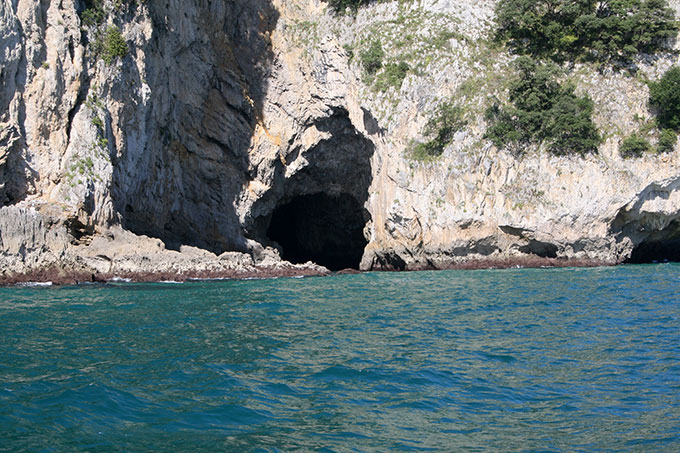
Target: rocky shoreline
[[59, 276], [519, 262]]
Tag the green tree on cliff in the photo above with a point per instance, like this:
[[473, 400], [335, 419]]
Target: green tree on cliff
[[664, 96], [542, 111]]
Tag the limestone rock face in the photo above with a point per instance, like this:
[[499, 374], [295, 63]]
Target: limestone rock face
[[29, 238], [239, 132]]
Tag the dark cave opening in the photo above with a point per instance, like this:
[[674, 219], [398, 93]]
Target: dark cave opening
[[325, 229], [652, 251], [657, 246]]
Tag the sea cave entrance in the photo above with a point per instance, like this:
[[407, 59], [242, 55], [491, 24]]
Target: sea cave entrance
[[656, 252], [658, 247], [317, 208], [326, 229]]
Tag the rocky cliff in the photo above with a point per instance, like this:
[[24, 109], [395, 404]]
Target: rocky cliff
[[233, 135]]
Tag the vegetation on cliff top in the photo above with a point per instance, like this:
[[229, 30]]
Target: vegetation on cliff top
[[541, 110], [601, 31]]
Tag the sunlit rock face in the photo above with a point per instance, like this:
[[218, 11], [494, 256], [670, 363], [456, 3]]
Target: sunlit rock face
[[250, 127]]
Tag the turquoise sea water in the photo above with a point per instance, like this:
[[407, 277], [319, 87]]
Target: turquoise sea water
[[511, 360]]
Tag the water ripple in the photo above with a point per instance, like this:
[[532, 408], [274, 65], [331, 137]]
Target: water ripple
[[547, 359]]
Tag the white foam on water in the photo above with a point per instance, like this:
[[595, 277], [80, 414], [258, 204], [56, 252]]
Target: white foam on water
[[35, 284]]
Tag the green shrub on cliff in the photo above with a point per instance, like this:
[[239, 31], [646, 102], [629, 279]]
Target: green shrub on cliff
[[568, 127], [105, 42], [667, 141], [440, 129], [94, 13], [372, 57], [340, 6], [392, 75], [634, 146], [602, 31], [664, 96], [110, 45], [542, 111]]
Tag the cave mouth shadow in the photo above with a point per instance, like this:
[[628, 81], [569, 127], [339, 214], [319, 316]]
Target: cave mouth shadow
[[326, 229], [658, 246], [656, 252]]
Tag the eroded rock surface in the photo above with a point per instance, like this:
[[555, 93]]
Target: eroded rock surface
[[228, 123]]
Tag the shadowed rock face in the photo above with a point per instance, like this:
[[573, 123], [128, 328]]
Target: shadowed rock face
[[325, 229], [209, 75], [656, 252], [158, 141], [659, 246]]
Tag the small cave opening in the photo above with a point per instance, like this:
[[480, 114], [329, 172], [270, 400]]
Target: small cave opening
[[658, 246], [540, 249], [326, 229], [652, 251]]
